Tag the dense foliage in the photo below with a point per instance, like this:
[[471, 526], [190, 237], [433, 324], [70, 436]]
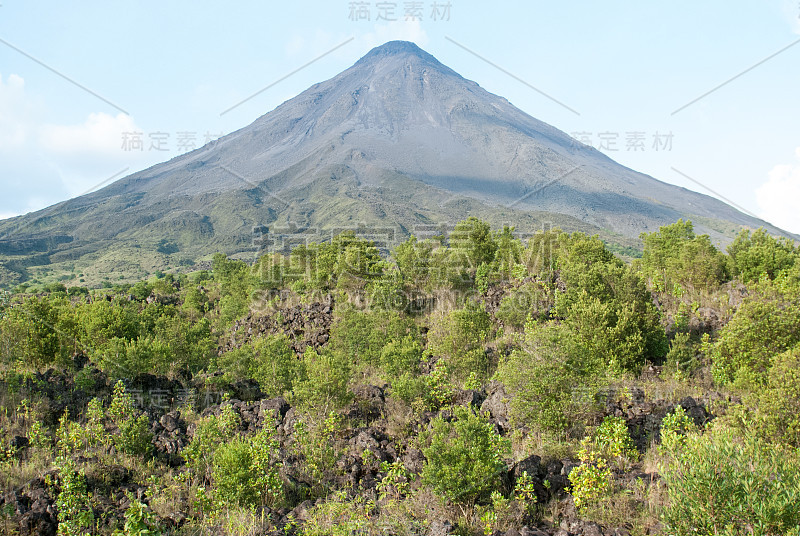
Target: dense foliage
[[471, 377]]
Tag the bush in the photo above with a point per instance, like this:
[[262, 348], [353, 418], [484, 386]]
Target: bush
[[269, 360], [325, 384], [275, 367], [246, 471], [75, 514], [339, 516], [551, 380], [759, 254], [39, 332], [764, 326], [465, 457], [314, 443], [591, 480], [532, 300], [460, 340], [674, 429], [133, 433], [773, 413], [211, 432], [719, 484], [610, 443], [362, 335], [139, 520], [612, 440], [472, 244], [125, 359], [682, 356], [675, 255], [400, 356]]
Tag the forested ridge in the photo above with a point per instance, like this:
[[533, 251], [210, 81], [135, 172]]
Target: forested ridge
[[467, 384]]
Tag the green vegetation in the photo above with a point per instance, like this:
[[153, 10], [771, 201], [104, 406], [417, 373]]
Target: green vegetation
[[471, 378], [718, 483], [464, 458]]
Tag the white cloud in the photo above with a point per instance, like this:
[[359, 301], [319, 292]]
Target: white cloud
[[791, 11], [779, 198], [42, 162], [100, 135], [17, 113]]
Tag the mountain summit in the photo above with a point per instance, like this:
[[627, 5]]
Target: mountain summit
[[396, 140]]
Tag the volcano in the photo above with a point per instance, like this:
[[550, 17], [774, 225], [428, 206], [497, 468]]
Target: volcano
[[397, 142]]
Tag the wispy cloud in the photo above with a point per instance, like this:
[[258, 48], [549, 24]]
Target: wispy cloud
[[778, 198]]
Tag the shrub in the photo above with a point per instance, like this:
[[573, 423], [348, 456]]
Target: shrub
[[472, 244], [460, 339], [133, 433], [682, 356], [612, 440], [764, 326], [325, 384], [759, 254], [363, 334], [139, 520], [675, 427], [515, 510], [396, 481], [313, 443], [532, 300], [235, 284], [245, 471], [147, 355], [464, 457], [591, 480], [674, 254], [429, 392], [39, 332], [718, 483], [69, 435], [551, 380], [339, 516], [773, 413], [75, 514], [275, 367], [211, 432], [400, 356]]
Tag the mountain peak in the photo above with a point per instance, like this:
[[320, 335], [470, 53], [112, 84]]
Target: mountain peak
[[397, 48]]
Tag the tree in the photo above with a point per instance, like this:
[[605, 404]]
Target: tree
[[759, 254], [473, 241], [675, 255], [235, 283]]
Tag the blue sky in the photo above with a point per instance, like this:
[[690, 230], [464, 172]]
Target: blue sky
[[614, 73]]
